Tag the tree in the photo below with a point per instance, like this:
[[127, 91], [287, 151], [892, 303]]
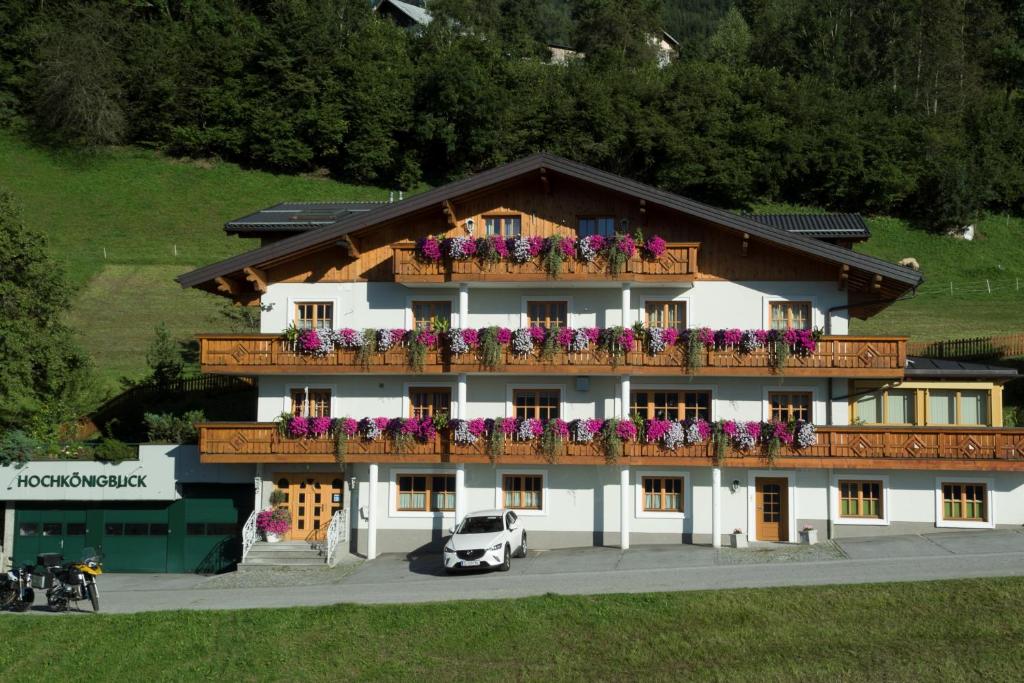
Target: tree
[[45, 379], [163, 358]]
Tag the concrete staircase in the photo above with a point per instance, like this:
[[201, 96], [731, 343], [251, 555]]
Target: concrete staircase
[[283, 554]]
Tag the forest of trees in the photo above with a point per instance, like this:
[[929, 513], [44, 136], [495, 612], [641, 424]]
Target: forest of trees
[[910, 107]]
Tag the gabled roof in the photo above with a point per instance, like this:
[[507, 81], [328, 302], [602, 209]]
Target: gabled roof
[[415, 13], [824, 226], [297, 217], [895, 280]]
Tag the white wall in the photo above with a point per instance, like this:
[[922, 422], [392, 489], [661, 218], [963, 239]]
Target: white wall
[[710, 304]]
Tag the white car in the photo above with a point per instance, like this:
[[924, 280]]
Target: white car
[[488, 538]]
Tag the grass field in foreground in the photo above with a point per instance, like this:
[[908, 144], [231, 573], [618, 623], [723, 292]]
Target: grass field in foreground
[[951, 630]]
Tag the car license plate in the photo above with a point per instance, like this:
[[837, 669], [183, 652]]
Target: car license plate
[[471, 563]]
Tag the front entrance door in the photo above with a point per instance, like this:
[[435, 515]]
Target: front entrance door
[[311, 499], [772, 509]]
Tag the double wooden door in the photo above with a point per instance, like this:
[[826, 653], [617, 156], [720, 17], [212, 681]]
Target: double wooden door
[[772, 509], [311, 499]]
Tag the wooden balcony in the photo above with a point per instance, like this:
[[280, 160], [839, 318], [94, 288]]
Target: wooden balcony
[[678, 263], [841, 356], [852, 447]]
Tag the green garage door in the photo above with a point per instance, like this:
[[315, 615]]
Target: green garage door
[[135, 538], [49, 530]]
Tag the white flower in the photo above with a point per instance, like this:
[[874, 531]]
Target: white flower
[[461, 433], [456, 342], [520, 251], [385, 340], [656, 340], [587, 251], [458, 248], [583, 433], [805, 435], [580, 341], [750, 341], [743, 440], [674, 437], [522, 342]]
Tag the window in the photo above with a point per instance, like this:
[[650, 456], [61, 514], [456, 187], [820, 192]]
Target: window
[[425, 314], [522, 491], [542, 404], [505, 226], [136, 529], [860, 499], [312, 402], [28, 529], [195, 529], [158, 529], [113, 529], [221, 529], [964, 502], [314, 316], [890, 406], [671, 405], [547, 314], [597, 225], [426, 492], [52, 528], [75, 529], [666, 314], [787, 315], [955, 406], [790, 406], [663, 494], [429, 401]]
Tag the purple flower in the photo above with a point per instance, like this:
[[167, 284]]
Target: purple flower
[[565, 336], [593, 334], [729, 428], [298, 427], [730, 337], [350, 339], [427, 338], [626, 430], [536, 245], [561, 427], [656, 429], [471, 337], [507, 425], [625, 245], [347, 426], [567, 246], [670, 336], [499, 245], [504, 335], [428, 249], [654, 247], [319, 426], [478, 426], [538, 334], [706, 336]]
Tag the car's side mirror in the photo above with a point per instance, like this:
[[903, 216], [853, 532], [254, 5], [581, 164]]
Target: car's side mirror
[[512, 526], [451, 530]]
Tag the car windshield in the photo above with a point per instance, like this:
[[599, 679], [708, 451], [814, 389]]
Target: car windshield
[[481, 525]]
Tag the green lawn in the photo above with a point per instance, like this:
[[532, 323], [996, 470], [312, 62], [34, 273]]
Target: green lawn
[[140, 206], [949, 631], [971, 310]]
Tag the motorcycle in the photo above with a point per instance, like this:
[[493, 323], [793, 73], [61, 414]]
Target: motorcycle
[[16, 591], [73, 581]]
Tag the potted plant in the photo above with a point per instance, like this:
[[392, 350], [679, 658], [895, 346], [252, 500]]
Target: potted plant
[[739, 538], [808, 535], [278, 497], [273, 524]]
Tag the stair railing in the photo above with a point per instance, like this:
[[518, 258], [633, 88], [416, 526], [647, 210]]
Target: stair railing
[[249, 534], [336, 535]]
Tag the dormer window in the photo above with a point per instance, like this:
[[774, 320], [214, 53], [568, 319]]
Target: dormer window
[[596, 225], [504, 226]]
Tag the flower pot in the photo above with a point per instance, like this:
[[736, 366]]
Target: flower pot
[[809, 536], [738, 540], [272, 538]]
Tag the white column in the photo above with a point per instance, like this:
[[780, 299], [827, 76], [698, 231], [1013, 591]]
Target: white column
[[464, 305], [258, 488], [7, 544], [716, 507], [627, 310], [461, 410], [371, 513], [624, 397], [624, 499], [460, 493]]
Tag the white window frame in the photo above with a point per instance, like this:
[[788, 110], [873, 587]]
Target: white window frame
[[833, 496], [393, 474], [712, 388], [407, 402], [790, 477], [292, 300], [817, 317], [818, 407], [452, 301], [499, 498], [570, 315], [286, 400], [638, 494], [511, 388], [990, 506]]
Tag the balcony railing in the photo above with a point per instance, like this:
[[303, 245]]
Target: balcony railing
[[679, 262], [841, 356], [977, 448]]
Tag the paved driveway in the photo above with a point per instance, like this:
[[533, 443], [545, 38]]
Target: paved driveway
[[402, 579]]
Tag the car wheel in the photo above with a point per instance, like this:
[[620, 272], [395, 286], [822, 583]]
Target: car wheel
[[522, 547], [507, 564]]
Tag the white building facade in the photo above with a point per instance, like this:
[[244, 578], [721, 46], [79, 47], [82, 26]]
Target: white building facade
[[895, 448]]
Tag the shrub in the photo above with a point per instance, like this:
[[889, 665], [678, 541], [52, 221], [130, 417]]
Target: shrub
[[113, 451], [171, 428]]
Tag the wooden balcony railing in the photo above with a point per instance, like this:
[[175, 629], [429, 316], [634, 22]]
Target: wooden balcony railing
[[679, 262], [853, 447], [842, 356]]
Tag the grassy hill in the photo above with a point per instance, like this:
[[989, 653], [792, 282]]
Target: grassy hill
[[124, 222], [971, 289]]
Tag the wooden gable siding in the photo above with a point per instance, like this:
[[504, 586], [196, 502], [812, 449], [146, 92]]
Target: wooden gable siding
[[557, 212]]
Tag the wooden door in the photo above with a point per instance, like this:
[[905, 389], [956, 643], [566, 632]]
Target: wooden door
[[772, 509], [311, 499]]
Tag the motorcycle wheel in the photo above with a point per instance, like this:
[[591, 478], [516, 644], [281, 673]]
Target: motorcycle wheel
[[7, 596], [20, 606], [94, 597], [57, 603]]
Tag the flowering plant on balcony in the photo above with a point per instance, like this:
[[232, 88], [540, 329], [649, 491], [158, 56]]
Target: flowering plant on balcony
[[590, 247], [654, 247], [460, 248], [556, 250], [462, 341], [522, 248], [428, 249], [492, 249], [620, 249], [577, 339], [276, 522]]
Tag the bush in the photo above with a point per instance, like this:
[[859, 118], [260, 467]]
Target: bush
[[16, 447], [113, 451], [171, 428]]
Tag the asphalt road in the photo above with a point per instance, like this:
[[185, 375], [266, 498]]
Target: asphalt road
[[400, 579]]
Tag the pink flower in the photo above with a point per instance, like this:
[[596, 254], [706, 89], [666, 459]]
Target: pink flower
[[536, 426], [593, 334], [381, 423], [536, 245], [763, 336], [309, 340], [478, 426], [670, 335], [626, 245], [561, 428], [348, 426], [657, 429], [567, 246], [428, 248], [703, 429], [654, 247], [754, 429], [626, 430], [565, 335], [426, 431], [706, 336], [539, 334], [427, 338], [594, 425], [319, 426], [504, 335], [729, 428], [500, 245], [507, 425], [730, 337], [597, 242], [298, 427], [470, 336]]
